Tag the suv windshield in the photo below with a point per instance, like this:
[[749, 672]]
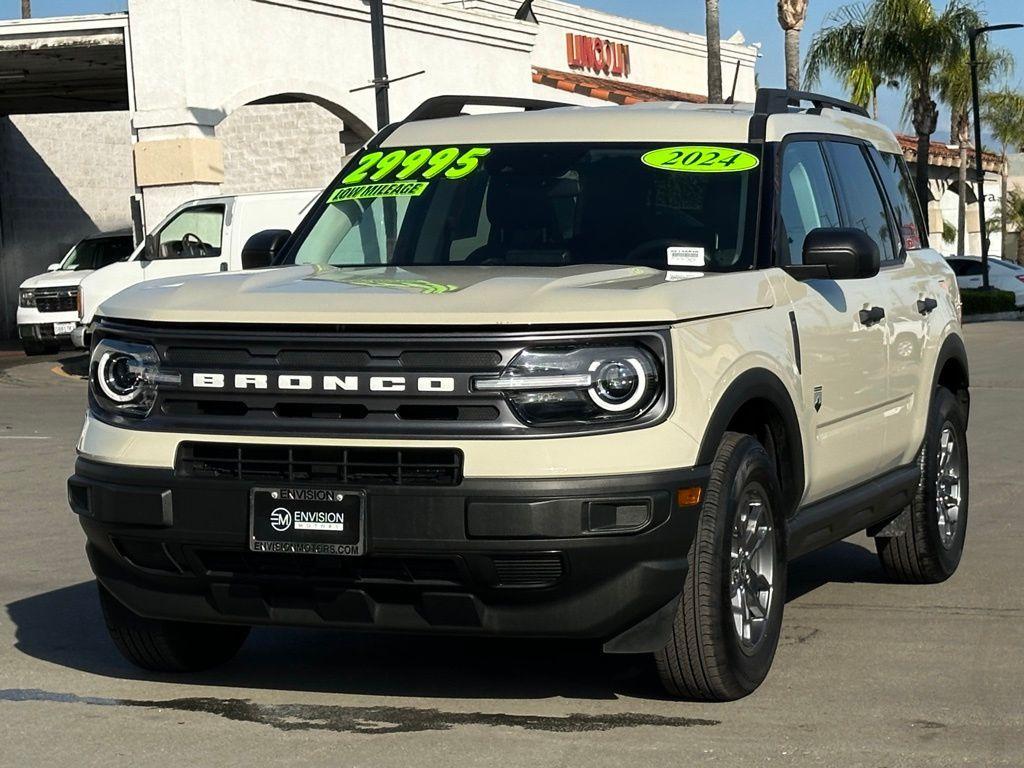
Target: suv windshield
[[98, 252], [547, 205]]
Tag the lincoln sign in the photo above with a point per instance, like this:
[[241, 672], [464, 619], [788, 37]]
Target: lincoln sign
[[597, 55]]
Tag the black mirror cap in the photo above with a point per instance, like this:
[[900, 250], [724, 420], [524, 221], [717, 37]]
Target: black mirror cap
[[262, 248], [841, 253], [149, 252]]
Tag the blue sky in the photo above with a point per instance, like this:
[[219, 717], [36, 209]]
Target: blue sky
[[755, 18]]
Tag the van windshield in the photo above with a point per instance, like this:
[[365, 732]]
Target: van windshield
[[541, 205], [98, 252]]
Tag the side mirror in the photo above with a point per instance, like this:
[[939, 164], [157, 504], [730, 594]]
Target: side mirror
[[53, 268], [837, 254], [262, 248]]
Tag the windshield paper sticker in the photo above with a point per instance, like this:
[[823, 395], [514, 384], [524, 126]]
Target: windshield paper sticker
[[372, 191], [686, 257], [700, 159], [423, 164]]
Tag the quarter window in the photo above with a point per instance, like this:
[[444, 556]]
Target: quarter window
[[900, 188], [862, 201], [807, 201]]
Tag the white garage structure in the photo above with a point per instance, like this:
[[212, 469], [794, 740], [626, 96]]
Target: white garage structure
[[179, 99]]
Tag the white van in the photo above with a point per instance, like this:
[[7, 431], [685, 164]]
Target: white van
[[200, 236]]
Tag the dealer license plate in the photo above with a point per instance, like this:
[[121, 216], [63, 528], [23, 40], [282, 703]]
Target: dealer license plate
[[59, 329], [313, 521]]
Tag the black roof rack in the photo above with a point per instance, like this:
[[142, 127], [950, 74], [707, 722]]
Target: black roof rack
[[778, 101], [452, 106]]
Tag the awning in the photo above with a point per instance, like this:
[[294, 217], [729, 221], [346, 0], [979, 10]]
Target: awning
[[70, 64], [616, 91]]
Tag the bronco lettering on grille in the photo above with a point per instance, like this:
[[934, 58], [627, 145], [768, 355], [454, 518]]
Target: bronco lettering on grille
[[327, 383]]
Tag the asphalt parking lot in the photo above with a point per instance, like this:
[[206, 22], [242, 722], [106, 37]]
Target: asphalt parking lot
[[868, 673]]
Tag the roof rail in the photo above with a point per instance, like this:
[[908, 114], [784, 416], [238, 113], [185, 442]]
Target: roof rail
[[452, 106], [777, 101]]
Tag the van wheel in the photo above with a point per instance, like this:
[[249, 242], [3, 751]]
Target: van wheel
[[35, 347], [728, 624], [169, 646], [930, 548]]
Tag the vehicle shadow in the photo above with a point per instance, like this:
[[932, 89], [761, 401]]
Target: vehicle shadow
[[65, 627], [76, 365], [841, 563]]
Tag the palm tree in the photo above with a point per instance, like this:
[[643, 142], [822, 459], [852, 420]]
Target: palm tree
[[714, 35], [843, 46], [792, 15], [954, 82], [1011, 212], [1004, 117], [910, 40]]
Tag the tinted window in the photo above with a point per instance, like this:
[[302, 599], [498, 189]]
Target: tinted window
[[806, 199], [966, 267], [900, 188], [549, 205], [98, 252], [862, 202], [194, 233]]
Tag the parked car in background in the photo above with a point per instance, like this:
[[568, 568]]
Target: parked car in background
[[48, 303], [197, 237], [1002, 274]]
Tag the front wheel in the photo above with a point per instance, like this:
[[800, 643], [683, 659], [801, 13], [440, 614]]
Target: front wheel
[[931, 545], [728, 623], [169, 646]]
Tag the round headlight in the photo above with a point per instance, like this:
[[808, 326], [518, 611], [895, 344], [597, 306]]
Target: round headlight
[[618, 384], [119, 375]]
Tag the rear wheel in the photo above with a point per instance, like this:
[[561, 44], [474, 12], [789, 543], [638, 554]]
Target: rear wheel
[[169, 646], [728, 624], [930, 547]]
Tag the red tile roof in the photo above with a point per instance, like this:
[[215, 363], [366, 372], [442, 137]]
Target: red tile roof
[[617, 91], [940, 154]]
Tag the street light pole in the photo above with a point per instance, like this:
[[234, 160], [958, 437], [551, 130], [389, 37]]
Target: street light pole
[[978, 165], [380, 63], [26, 9]]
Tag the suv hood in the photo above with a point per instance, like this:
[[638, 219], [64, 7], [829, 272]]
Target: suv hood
[[441, 296], [60, 278]]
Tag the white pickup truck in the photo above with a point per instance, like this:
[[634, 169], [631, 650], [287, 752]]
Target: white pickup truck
[[200, 236]]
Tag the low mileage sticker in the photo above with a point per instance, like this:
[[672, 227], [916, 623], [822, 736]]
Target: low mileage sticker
[[701, 159]]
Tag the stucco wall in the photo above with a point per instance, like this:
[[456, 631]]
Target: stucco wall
[[61, 177], [279, 146]]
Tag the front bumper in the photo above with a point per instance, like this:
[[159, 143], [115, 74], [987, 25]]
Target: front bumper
[[509, 557], [42, 332]]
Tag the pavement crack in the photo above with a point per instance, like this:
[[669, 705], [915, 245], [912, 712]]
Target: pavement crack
[[368, 720]]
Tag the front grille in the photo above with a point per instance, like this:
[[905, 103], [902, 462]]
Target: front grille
[[529, 570], [321, 464], [57, 299]]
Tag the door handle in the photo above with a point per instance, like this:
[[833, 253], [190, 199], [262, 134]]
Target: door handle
[[223, 266], [927, 306], [872, 316]]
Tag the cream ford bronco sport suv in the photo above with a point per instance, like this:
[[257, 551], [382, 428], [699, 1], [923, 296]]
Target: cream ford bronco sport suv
[[591, 373]]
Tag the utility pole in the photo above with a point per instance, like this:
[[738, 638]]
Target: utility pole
[[978, 166], [380, 62], [26, 9]]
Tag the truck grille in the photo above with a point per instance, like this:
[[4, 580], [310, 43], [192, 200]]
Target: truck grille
[[320, 464], [57, 299]]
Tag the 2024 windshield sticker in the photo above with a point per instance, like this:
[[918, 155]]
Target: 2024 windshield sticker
[[701, 159]]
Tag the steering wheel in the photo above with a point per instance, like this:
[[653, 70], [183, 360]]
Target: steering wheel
[[195, 245]]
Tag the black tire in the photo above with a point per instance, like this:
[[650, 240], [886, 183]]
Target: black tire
[[706, 660], [923, 554], [35, 347], [169, 646]]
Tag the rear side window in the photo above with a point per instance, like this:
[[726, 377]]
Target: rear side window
[[806, 199], [899, 186], [860, 196], [965, 267]]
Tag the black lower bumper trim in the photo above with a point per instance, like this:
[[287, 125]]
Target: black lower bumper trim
[[178, 548]]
